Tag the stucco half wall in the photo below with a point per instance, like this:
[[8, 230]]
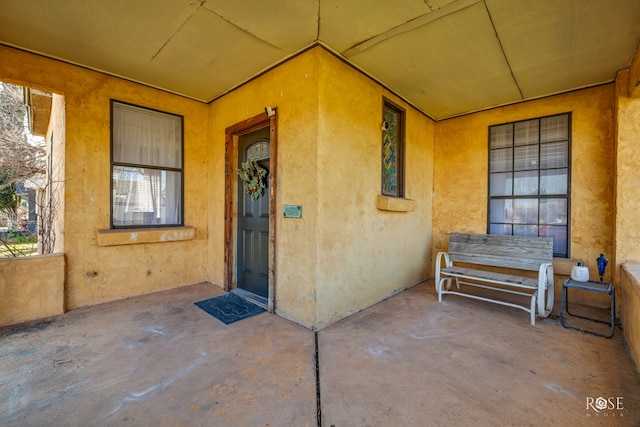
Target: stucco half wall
[[628, 302], [31, 288]]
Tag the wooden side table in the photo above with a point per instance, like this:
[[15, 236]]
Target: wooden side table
[[590, 286]]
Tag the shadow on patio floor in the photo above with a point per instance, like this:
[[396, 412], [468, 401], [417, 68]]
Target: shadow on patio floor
[[411, 361]]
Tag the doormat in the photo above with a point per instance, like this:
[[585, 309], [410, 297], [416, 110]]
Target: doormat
[[229, 308]]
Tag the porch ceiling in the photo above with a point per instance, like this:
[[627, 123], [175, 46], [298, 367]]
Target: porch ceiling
[[446, 57]]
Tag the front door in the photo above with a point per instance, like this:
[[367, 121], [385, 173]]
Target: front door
[[253, 217]]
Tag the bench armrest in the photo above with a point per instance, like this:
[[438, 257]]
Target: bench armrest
[[442, 256], [545, 289]]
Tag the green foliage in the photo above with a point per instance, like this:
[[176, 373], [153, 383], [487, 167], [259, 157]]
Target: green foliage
[[253, 177], [22, 160], [8, 200], [14, 237]]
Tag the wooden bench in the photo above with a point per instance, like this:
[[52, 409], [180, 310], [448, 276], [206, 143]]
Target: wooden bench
[[512, 252]]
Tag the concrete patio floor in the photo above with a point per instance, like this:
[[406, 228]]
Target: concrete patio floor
[[158, 360]]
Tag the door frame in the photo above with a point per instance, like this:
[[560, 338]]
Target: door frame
[[232, 135]]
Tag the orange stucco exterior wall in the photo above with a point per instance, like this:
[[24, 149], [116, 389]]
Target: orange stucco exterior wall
[[329, 118], [350, 249], [55, 139], [461, 173], [364, 253], [627, 193], [343, 254], [31, 288], [628, 306], [292, 89], [96, 273], [626, 173]]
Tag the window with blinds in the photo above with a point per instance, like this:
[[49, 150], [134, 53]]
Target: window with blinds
[[529, 179], [146, 167]]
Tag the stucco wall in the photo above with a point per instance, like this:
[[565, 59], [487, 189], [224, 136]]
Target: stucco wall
[[38, 294], [627, 225], [56, 150], [365, 254], [627, 175], [461, 174], [292, 89], [628, 302], [102, 273], [343, 254]]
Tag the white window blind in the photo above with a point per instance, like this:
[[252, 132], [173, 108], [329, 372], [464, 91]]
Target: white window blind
[[529, 179], [146, 167]]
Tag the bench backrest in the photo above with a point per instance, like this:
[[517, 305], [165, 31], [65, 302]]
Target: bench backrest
[[524, 253]]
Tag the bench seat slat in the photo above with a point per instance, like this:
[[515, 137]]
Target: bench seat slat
[[517, 252], [490, 251], [515, 242], [526, 282], [496, 261]]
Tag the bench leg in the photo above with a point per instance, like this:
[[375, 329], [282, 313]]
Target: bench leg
[[441, 258], [534, 299], [440, 284]]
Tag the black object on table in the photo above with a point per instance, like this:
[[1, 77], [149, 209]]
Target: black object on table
[[591, 286]]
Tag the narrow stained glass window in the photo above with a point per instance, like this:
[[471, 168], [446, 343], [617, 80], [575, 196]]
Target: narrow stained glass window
[[392, 150]]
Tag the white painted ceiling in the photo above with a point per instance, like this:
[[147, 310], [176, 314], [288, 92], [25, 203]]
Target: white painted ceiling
[[446, 57]]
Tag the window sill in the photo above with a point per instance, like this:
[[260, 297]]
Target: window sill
[[144, 235], [395, 204]]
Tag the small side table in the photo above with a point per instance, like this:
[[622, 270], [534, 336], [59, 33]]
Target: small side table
[[591, 286]]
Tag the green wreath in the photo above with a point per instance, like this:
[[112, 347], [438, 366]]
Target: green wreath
[[253, 177]]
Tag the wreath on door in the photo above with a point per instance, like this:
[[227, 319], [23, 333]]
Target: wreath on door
[[252, 175]]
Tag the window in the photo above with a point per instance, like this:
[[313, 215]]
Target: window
[[146, 167], [529, 179], [392, 150]]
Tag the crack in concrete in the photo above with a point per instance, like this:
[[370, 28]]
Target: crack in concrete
[[317, 372]]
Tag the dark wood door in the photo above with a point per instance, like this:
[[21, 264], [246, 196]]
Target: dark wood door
[[253, 219]]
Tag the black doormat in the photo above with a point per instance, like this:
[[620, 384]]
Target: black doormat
[[229, 308]]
